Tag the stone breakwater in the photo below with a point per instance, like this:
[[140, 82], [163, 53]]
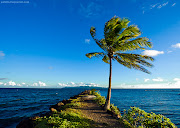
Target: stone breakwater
[[29, 122], [85, 96]]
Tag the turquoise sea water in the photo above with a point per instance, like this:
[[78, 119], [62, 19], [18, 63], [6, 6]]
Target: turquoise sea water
[[18, 104]]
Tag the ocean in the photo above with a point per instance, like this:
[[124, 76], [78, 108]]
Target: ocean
[[18, 104]]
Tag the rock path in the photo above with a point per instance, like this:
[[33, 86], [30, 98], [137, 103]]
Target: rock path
[[94, 112]]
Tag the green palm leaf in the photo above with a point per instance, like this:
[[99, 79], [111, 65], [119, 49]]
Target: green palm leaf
[[101, 43], [131, 65], [136, 58], [94, 54], [106, 59]]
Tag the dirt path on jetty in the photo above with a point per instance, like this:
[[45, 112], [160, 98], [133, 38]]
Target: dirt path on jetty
[[94, 112]]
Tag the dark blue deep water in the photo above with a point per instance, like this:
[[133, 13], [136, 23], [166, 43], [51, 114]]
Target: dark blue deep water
[[17, 104]]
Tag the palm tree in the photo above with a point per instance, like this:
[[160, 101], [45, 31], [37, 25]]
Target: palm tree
[[119, 38]]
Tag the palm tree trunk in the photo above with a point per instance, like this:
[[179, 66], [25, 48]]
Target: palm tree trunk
[[107, 105]]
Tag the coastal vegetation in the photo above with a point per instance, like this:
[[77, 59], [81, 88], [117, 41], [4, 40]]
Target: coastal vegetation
[[66, 116], [135, 117], [119, 39], [73, 113]]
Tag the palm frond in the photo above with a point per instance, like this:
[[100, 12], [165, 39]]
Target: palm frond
[[130, 32], [131, 65], [136, 44], [101, 43], [106, 59], [94, 54], [136, 59]]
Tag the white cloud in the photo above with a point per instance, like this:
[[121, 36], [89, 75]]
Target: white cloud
[[176, 79], [10, 83], [63, 85], [39, 84], [158, 85], [162, 5], [158, 80], [172, 85], [176, 45], [173, 4], [72, 84], [177, 82], [169, 51], [146, 80], [152, 52], [35, 84], [19, 85], [87, 41], [42, 84], [153, 6], [1, 53]]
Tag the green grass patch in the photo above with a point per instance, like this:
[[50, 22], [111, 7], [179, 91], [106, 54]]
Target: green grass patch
[[69, 118]]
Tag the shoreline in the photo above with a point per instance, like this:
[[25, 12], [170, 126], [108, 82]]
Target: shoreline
[[85, 96], [90, 110]]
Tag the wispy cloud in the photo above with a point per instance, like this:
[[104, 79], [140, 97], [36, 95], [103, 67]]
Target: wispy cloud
[[158, 80], [159, 83], [154, 80], [10, 83], [176, 45], [150, 5], [146, 80], [162, 5], [2, 53], [153, 6], [40, 84], [173, 4], [87, 41], [50, 67], [72, 84], [169, 51], [152, 52], [90, 10]]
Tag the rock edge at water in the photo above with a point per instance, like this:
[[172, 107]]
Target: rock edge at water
[[29, 122]]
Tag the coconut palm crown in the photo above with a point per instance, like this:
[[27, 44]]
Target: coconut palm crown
[[119, 39]]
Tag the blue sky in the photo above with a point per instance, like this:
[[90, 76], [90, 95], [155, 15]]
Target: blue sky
[[44, 42]]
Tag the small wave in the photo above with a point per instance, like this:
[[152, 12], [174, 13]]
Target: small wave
[[30, 108], [3, 104]]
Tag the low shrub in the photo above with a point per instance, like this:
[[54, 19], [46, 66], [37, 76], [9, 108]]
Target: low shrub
[[115, 109], [138, 118], [69, 118], [93, 92], [100, 100]]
